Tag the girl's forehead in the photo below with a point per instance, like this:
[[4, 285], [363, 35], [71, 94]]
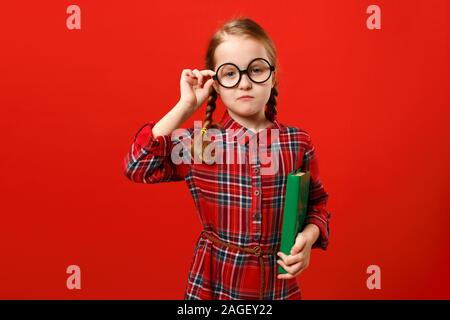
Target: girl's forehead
[[239, 50]]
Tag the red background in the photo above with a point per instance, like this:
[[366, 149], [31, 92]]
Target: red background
[[376, 102]]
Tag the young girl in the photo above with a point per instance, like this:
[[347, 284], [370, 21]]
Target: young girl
[[239, 203]]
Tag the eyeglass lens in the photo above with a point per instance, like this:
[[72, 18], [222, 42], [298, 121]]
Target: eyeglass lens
[[258, 71]]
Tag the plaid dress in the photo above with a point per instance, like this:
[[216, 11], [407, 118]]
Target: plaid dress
[[237, 202]]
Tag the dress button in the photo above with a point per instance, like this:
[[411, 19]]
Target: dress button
[[257, 216], [256, 170], [256, 193]]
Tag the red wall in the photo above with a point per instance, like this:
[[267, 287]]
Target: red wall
[[376, 102]]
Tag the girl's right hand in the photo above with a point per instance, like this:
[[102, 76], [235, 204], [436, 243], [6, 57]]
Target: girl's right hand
[[195, 87]]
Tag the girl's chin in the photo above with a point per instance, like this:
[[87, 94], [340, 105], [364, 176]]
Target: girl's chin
[[247, 112], [247, 108]]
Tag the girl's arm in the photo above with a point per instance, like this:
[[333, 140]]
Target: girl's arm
[[172, 120], [318, 213], [149, 158]]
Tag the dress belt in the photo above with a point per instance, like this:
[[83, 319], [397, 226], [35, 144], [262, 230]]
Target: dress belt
[[256, 250]]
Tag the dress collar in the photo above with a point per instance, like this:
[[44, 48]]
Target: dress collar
[[227, 122]]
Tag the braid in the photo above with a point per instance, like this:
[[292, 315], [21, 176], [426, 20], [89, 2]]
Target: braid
[[198, 146], [210, 109], [272, 103]]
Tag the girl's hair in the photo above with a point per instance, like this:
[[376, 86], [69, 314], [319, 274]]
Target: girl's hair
[[237, 27]]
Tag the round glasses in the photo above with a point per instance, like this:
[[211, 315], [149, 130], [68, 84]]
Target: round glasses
[[258, 70]]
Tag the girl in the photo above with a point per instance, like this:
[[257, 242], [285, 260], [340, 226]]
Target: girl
[[239, 203]]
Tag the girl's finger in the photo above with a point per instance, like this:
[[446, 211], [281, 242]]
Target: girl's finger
[[187, 79], [282, 255], [285, 267], [199, 77], [192, 74], [288, 259], [208, 84], [207, 72], [188, 73], [292, 271], [193, 79], [285, 276]]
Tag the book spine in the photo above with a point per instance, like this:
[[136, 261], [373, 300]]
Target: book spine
[[303, 201], [290, 216]]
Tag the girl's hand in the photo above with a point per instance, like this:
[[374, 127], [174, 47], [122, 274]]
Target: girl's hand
[[298, 260], [195, 87]]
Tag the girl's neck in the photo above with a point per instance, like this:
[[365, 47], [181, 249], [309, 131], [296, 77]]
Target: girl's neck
[[255, 123]]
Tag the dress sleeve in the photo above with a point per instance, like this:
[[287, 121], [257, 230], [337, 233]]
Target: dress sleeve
[[318, 213], [149, 158]]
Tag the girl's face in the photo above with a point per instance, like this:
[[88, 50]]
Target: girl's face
[[240, 51]]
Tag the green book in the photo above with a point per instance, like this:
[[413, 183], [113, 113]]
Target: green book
[[295, 210]]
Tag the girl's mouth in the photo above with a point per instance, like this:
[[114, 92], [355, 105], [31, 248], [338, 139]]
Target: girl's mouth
[[245, 98]]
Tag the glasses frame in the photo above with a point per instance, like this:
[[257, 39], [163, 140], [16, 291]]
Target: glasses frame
[[241, 72]]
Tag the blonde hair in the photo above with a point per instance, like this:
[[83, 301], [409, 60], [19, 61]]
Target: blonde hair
[[239, 27]]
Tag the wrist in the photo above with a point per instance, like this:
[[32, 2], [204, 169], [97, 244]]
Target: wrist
[[311, 232], [185, 107]]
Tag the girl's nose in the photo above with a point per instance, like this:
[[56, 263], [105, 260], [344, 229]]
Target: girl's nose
[[245, 82]]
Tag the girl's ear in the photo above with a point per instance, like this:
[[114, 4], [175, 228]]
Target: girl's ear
[[216, 87]]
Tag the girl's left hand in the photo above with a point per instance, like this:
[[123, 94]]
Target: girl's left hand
[[298, 260]]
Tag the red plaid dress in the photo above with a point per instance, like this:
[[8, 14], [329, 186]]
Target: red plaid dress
[[237, 204]]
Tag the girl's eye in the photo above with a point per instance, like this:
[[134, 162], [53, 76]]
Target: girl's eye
[[256, 70], [229, 74]]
